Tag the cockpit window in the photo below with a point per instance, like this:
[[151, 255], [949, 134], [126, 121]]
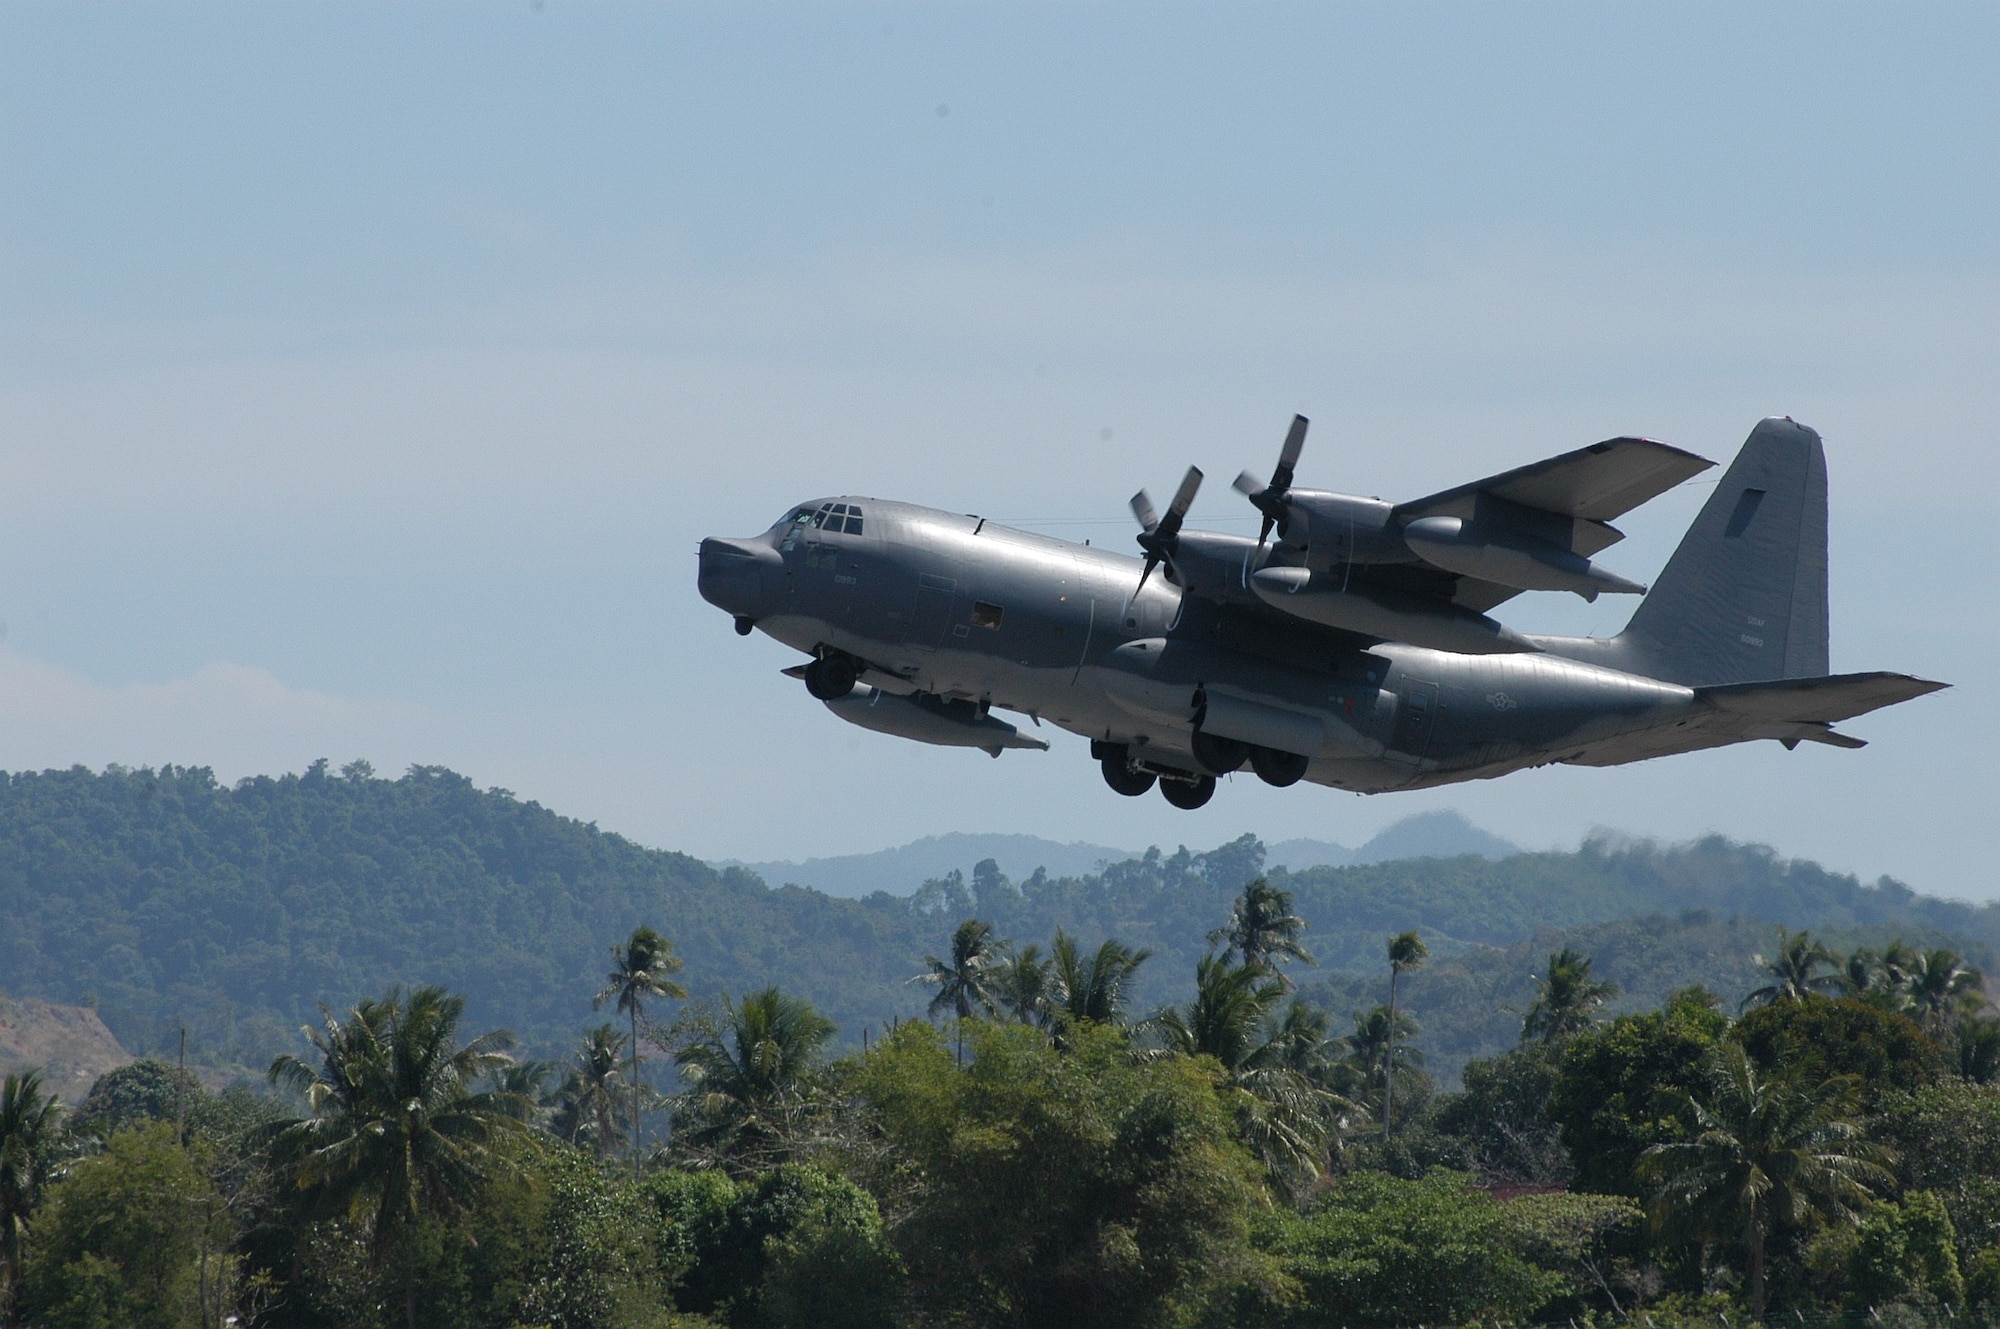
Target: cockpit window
[[839, 518]]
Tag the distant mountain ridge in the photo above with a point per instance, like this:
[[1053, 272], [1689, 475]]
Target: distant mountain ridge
[[162, 899], [901, 870]]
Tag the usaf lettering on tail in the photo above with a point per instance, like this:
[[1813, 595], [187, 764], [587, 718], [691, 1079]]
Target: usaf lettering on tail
[[1349, 643]]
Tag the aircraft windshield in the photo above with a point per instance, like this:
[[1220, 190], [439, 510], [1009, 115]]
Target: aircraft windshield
[[832, 517]]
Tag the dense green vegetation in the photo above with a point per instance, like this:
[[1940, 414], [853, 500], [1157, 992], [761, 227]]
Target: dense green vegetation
[[166, 899], [1048, 1154]]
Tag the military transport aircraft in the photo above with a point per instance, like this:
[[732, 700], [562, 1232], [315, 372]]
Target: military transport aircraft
[[1354, 649]]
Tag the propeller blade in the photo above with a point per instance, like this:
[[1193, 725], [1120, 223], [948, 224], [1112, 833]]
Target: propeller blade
[[1142, 508], [1269, 499], [1184, 496], [1152, 561], [1160, 533], [1288, 456]]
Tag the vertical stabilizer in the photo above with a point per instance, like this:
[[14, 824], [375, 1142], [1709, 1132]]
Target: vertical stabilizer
[[1744, 597]]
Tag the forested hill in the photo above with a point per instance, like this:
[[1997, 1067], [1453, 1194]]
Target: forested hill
[[162, 898]]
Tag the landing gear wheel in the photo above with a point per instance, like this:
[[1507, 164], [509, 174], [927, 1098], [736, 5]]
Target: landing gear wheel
[[1278, 768], [1219, 755], [1120, 775], [831, 677], [1188, 794]]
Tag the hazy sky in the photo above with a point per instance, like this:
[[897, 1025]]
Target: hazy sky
[[369, 372]]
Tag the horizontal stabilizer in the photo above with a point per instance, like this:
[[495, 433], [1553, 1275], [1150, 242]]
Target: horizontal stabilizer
[[1825, 700]]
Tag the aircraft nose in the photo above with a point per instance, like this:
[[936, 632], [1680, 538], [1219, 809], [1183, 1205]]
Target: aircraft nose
[[738, 576]]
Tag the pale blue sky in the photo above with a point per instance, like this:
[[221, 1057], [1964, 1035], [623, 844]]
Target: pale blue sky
[[367, 372]]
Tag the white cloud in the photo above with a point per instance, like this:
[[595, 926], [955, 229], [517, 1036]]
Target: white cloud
[[237, 719]]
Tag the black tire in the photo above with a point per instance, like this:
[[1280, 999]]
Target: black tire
[[1122, 777], [831, 677], [1189, 794], [1278, 768], [1218, 755]]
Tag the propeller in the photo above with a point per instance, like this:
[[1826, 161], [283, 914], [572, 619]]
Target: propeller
[[1159, 535], [1269, 499]]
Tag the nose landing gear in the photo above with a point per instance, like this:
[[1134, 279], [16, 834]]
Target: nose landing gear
[[831, 677]]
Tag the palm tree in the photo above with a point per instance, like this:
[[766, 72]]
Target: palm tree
[[1861, 974], [1762, 1152], [1379, 1052], [961, 981], [751, 1077], [1262, 928], [641, 969], [1092, 989], [1795, 970], [1566, 1001], [529, 1081], [1976, 1042], [1939, 985], [29, 1121], [1020, 983], [396, 1133], [1406, 951], [1304, 1041], [586, 1104], [1282, 1111], [1225, 1019]]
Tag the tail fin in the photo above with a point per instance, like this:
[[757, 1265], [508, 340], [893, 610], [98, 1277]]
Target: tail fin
[[1744, 597]]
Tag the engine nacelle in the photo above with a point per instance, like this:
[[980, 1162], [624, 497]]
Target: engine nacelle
[[1511, 558], [929, 718], [1385, 615]]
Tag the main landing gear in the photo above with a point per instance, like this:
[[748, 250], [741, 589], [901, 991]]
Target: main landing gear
[[1220, 756], [1190, 789], [1189, 793], [1183, 790]]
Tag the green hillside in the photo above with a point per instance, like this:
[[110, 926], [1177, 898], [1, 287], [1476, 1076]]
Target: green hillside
[[162, 897]]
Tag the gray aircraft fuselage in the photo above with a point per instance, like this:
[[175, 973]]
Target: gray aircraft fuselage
[[1071, 647], [921, 623]]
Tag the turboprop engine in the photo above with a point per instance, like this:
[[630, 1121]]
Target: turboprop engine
[[1510, 557], [928, 718], [1320, 598]]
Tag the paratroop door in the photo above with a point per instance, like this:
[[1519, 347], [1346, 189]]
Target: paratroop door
[[1416, 715], [932, 613]]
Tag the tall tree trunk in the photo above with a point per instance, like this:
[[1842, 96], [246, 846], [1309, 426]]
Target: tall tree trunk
[[635, 1089], [1755, 1237], [1389, 1055]]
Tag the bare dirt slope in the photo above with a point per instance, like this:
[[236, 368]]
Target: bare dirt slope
[[68, 1044]]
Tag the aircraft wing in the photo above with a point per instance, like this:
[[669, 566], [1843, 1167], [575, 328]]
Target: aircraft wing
[[1588, 487], [1594, 484]]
